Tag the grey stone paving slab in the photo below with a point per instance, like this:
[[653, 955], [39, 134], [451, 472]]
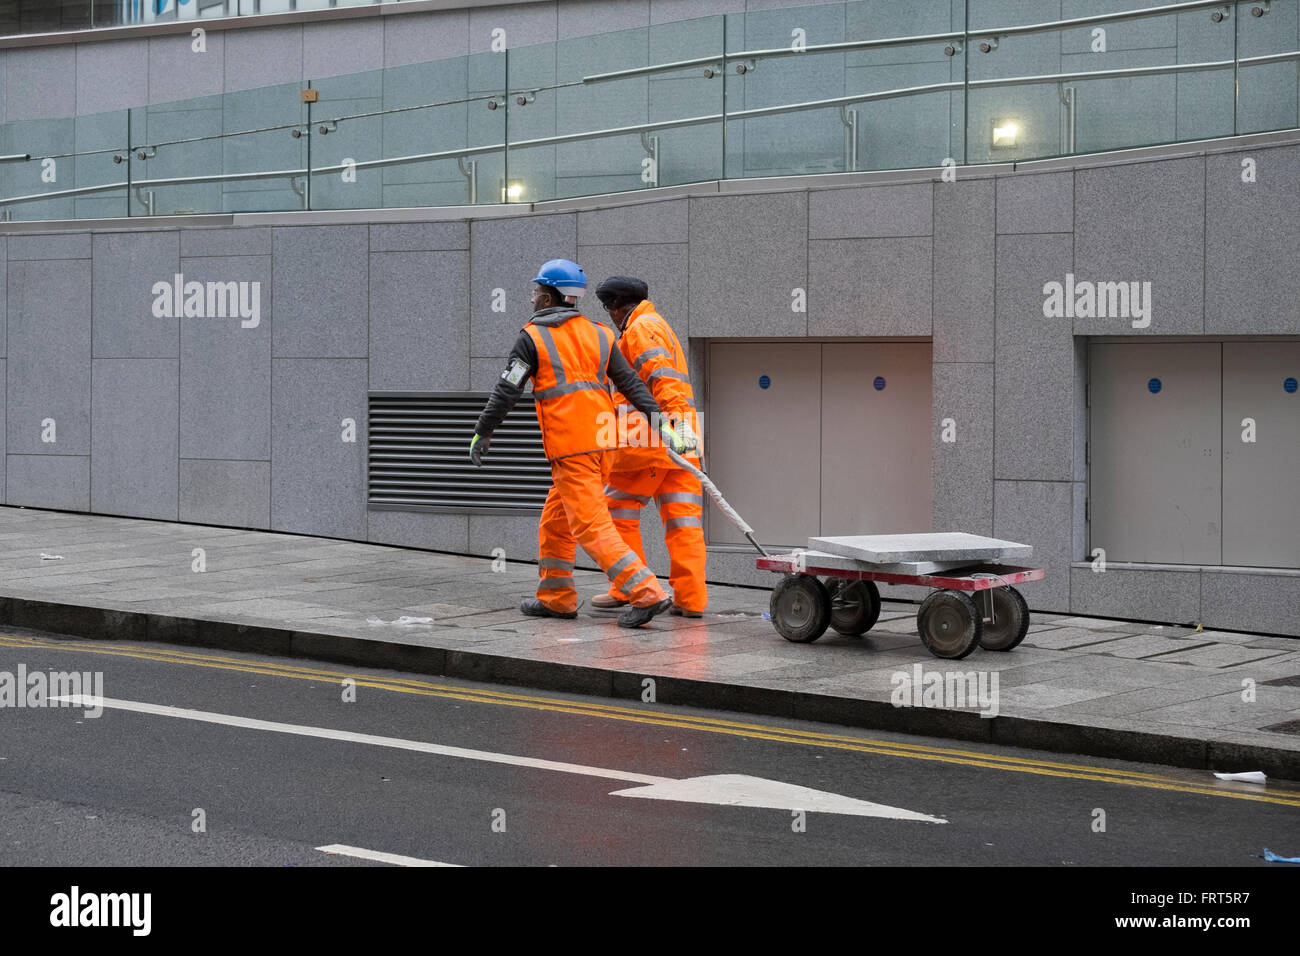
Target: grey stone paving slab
[[162, 597], [1045, 695], [877, 639], [942, 546], [1089, 623], [1142, 700], [796, 676], [1230, 637], [1279, 643], [1070, 670], [55, 571], [868, 684], [1223, 655], [61, 582], [1223, 711], [1263, 720], [900, 625], [1146, 646], [731, 666], [1064, 638], [1165, 630], [1288, 661]]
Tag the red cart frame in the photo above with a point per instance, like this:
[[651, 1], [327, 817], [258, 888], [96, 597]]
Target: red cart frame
[[950, 622]]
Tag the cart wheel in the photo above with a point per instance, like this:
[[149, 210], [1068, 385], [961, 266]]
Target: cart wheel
[[1010, 621], [800, 608], [855, 606], [949, 623]]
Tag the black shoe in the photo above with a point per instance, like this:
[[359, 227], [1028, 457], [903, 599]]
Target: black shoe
[[535, 608], [679, 611], [636, 616]]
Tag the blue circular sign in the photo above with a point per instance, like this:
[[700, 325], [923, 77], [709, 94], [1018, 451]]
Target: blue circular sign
[[1154, 385], [764, 381], [879, 383], [1290, 385]]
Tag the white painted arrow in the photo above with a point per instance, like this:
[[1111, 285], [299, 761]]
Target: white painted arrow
[[739, 790], [722, 789]]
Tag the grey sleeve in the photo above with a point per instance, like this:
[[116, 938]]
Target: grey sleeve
[[504, 394]]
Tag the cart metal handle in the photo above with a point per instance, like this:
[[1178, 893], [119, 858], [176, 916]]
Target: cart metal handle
[[716, 495]]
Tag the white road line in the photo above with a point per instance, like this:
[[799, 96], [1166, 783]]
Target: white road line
[[724, 789], [340, 850], [349, 737]]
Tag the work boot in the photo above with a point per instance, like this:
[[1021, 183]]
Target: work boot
[[679, 611], [607, 602], [535, 608], [636, 616]]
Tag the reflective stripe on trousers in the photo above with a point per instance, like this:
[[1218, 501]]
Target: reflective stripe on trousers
[[575, 514], [681, 504]]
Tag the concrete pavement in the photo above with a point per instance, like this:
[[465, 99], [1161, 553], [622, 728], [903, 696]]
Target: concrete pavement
[[1215, 700]]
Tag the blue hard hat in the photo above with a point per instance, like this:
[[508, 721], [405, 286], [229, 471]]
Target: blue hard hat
[[564, 275]]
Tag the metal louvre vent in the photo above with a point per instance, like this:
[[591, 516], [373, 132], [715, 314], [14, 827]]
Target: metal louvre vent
[[419, 456]]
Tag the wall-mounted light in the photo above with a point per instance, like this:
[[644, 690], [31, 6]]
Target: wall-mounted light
[[512, 192], [1005, 132]]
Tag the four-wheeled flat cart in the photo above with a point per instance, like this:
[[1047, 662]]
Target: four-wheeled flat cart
[[975, 602]]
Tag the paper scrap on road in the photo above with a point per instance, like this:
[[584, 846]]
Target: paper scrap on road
[[403, 621], [1272, 857], [1250, 776], [51, 557]]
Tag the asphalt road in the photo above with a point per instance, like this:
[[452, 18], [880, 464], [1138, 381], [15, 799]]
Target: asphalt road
[[272, 760]]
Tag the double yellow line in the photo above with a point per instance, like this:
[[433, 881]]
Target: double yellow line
[[664, 718]]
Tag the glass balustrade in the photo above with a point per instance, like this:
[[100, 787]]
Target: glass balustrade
[[828, 88]]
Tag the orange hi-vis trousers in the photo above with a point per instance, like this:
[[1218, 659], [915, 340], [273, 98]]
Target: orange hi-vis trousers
[[681, 505], [575, 509]]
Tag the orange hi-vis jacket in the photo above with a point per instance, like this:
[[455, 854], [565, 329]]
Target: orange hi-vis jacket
[[655, 354], [571, 386]]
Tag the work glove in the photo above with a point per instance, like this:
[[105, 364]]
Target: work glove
[[687, 434], [478, 448], [681, 439]]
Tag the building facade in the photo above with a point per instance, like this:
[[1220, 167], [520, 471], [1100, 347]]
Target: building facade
[[1085, 337]]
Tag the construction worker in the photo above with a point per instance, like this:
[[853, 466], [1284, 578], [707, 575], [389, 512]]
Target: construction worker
[[571, 360], [641, 469]]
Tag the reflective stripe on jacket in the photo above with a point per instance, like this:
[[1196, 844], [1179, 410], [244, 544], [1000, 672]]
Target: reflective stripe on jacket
[[571, 386], [655, 354]]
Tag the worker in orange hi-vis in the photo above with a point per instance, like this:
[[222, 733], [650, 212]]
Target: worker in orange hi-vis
[[640, 468], [571, 361]]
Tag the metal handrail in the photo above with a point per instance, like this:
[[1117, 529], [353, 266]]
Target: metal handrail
[[853, 45], [722, 57], [701, 120], [1099, 18]]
